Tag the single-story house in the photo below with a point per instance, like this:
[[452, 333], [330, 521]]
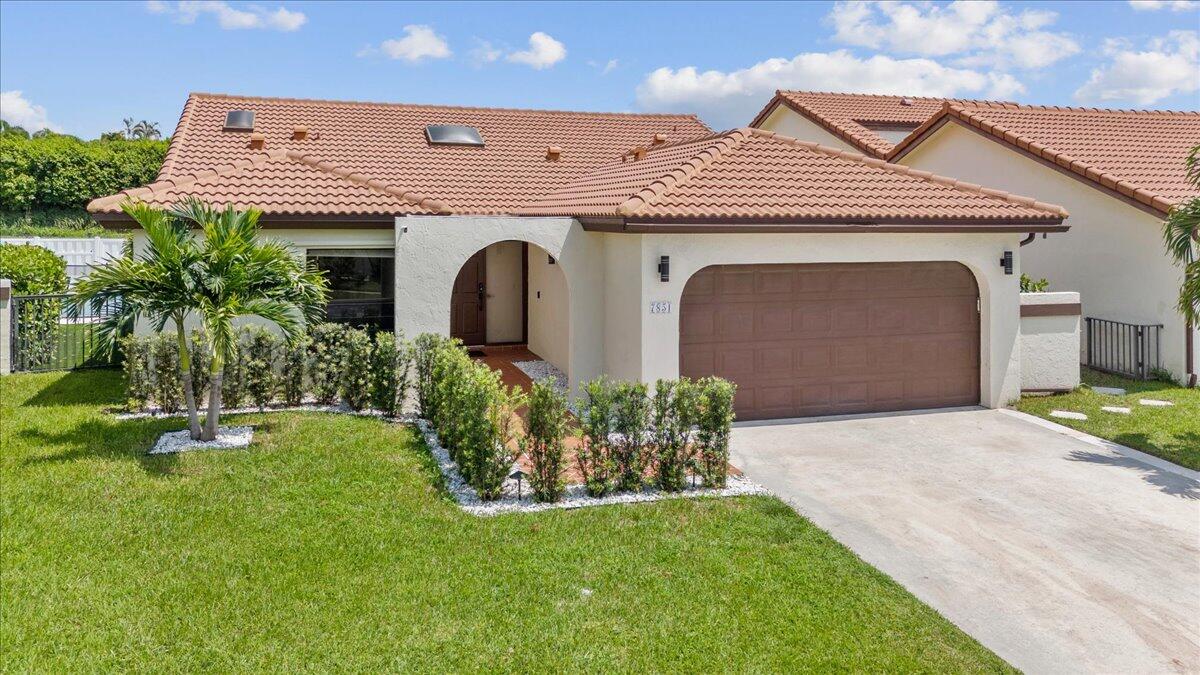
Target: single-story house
[[1118, 172], [638, 246]]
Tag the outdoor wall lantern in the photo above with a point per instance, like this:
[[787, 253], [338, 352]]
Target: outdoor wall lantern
[[664, 268], [1007, 262]]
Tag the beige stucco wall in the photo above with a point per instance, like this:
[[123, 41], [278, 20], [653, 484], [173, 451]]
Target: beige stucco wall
[[659, 333], [1050, 344], [784, 120], [623, 311], [504, 310], [549, 329], [1113, 255], [431, 249]]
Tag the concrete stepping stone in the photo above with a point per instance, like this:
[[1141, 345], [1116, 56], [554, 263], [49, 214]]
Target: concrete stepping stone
[[1116, 409], [1154, 402], [1111, 391], [1068, 415]]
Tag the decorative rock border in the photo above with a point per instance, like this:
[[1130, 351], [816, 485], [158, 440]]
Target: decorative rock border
[[576, 495], [174, 442]]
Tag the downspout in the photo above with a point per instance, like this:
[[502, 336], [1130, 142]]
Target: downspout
[[1029, 239]]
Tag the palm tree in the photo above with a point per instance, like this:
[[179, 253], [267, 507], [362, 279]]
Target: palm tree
[[146, 130], [227, 274], [1181, 231]]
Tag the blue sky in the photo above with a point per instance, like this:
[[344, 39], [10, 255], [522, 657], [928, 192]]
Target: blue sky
[[82, 67]]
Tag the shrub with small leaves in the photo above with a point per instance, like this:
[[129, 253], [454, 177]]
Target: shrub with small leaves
[[261, 353], [168, 386], [448, 378], [404, 372], [385, 357], [356, 368], [233, 375], [594, 455], [291, 380], [714, 422], [425, 350], [543, 441], [674, 408], [492, 458], [201, 361], [631, 422], [139, 381], [325, 360]]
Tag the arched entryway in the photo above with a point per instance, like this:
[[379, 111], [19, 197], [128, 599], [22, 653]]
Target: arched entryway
[[513, 293]]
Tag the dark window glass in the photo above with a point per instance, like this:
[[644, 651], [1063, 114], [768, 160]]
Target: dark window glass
[[361, 285]]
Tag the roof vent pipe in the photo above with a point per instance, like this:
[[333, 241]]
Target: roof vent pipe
[[659, 139], [553, 153], [299, 132], [905, 101], [257, 140]]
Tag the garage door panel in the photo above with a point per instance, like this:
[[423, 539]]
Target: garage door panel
[[824, 339]]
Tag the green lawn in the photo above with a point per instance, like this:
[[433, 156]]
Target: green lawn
[[1171, 433], [329, 546]]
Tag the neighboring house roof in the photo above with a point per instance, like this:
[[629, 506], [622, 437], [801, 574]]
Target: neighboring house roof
[[358, 156], [752, 176], [1137, 154], [851, 117]]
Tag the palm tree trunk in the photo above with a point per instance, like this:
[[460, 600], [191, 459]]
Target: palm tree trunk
[[189, 391], [212, 420]]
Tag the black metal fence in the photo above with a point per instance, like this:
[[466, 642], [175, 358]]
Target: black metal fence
[[44, 337], [1128, 349], [372, 314]]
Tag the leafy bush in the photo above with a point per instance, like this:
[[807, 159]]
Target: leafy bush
[[233, 376], [391, 364], [714, 420], [139, 381], [491, 453], [425, 349], [631, 422], [168, 387], [356, 368], [325, 361], [295, 358], [62, 172], [262, 347], [52, 223], [594, 455], [448, 379], [674, 408], [543, 441], [1028, 285], [201, 363], [32, 269]]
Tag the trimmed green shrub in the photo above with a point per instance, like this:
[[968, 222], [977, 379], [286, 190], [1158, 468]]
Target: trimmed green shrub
[[325, 361], [714, 422], [449, 374], [139, 381], [425, 349], [168, 386], [674, 408], [594, 455], [631, 422], [64, 172], [356, 368], [391, 364], [404, 372], [53, 223], [233, 376], [261, 350], [33, 271], [489, 449], [295, 360], [201, 362], [543, 441], [1029, 285]]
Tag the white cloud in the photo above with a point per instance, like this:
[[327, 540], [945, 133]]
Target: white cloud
[[544, 51], [1173, 5], [1168, 65], [731, 98], [20, 112], [977, 33], [229, 17], [420, 42], [609, 67], [484, 52]]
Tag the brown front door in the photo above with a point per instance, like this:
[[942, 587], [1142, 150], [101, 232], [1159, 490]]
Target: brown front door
[[468, 309], [802, 340]]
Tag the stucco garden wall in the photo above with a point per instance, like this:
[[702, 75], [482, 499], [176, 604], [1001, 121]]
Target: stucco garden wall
[[1113, 256], [1049, 341]]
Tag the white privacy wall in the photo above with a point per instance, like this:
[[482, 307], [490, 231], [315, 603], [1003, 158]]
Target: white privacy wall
[[1050, 344]]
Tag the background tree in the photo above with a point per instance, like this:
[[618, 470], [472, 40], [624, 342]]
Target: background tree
[[1181, 231]]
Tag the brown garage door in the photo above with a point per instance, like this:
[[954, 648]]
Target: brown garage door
[[805, 340]]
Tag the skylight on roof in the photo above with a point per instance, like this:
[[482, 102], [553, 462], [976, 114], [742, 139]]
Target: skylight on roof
[[452, 134], [239, 120]]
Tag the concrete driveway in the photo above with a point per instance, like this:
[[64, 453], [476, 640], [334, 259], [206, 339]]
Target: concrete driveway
[[1057, 554]]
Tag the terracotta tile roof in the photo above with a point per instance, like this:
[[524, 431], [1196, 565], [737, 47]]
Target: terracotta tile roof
[[756, 175], [1136, 153], [385, 143], [850, 116]]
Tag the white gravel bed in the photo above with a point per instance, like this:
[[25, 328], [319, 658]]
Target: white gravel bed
[[575, 497], [544, 370], [180, 441], [311, 406]]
